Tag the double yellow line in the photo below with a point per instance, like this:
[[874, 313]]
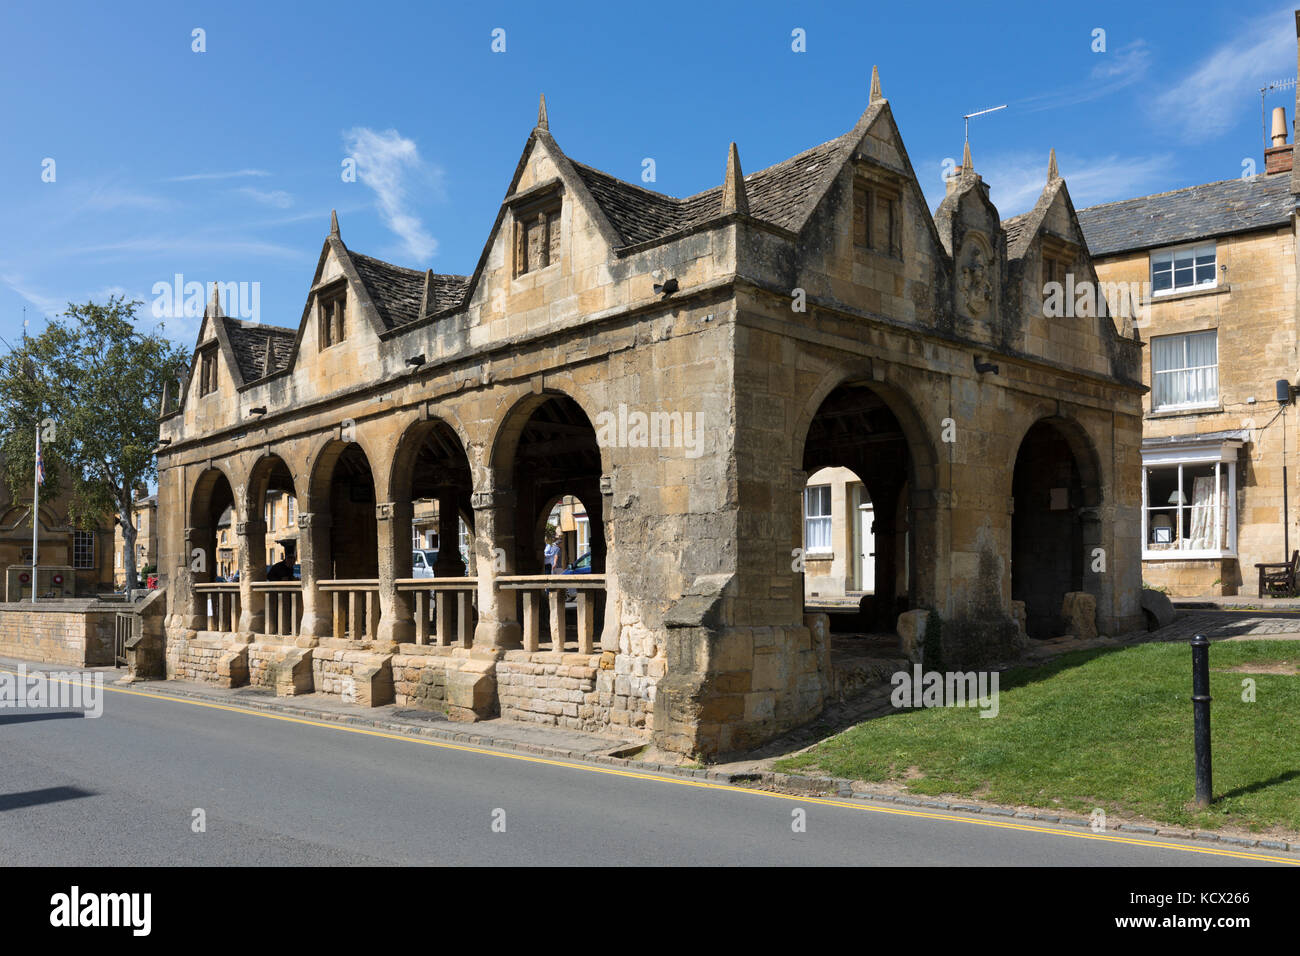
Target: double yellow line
[[707, 784]]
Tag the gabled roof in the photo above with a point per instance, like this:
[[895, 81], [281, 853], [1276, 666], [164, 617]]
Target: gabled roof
[[781, 195], [397, 292], [1184, 215], [254, 345]]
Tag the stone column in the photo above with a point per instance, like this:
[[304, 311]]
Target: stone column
[[196, 607], [609, 612], [885, 528], [494, 546], [396, 615], [314, 556], [929, 578], [449, 564], [250, 549]]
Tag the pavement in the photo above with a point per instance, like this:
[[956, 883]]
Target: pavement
[[173, 774]]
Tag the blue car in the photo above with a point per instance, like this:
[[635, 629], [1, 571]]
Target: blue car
[[581, 566]]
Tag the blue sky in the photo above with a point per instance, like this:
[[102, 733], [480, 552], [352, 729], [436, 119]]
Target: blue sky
[[224, 164]]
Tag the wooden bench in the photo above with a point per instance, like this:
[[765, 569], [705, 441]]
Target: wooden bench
[[1279, 579]]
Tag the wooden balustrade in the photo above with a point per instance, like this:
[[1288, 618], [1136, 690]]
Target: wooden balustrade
[[447, 604], [281, 607], [554, 588], [355, 608], [223, 605]]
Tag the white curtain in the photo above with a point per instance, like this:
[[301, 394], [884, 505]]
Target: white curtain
[[1185, 369], [1201, 535]]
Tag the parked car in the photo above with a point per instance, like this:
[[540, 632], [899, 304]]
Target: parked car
[[581, 566], [422, 562]]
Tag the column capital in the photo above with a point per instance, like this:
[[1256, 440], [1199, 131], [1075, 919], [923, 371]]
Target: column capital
[[495, 498], [310, 519], [245, 528]]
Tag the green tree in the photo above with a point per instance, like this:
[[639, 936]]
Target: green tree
[[94, 383]]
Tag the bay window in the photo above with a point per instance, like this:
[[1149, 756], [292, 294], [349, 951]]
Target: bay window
[[1187, 503]]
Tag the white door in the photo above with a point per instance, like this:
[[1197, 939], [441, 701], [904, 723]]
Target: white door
[[866, 548]]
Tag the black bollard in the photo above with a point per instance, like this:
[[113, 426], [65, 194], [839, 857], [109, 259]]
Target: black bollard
[[1201, 718]]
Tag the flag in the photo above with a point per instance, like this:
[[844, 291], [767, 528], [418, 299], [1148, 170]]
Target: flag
[[40, 460]]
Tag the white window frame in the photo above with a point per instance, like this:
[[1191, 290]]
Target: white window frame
[[1198, 252], [828, 518], [1224, 458], [1181, 406]]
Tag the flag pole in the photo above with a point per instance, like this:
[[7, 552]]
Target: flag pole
[[36, 508]]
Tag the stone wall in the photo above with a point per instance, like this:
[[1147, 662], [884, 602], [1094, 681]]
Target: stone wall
[[62, 632], [556, 689]]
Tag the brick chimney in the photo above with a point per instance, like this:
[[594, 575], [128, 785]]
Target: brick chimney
[[1277, 158]]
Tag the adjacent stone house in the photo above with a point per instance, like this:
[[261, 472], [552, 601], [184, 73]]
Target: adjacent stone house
[[1209, 273], [680, 367], [144, 514]]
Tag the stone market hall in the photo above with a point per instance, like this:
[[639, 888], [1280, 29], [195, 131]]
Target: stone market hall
[[812, 314]]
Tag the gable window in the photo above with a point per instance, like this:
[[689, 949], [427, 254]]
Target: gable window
[[877, 217], [1188, 267], [208, 370], [83, 549], [537, 236], [1185, 370], [332, 311], [863, 200], [817, 519]]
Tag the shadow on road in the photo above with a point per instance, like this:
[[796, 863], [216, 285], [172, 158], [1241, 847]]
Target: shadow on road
[[24, 716], [35, 798]]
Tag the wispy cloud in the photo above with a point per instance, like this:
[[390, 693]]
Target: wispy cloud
[[387, 162], [1214, 96], [1113, 71], [236, 174], [276, 198]]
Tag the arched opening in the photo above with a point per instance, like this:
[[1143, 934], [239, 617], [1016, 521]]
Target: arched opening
[[856, 517], [1053, 521], [354, 530], [209, 557], [273, 498], [433, 532], [554, 468]]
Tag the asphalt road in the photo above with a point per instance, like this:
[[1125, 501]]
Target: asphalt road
[[123, 788]]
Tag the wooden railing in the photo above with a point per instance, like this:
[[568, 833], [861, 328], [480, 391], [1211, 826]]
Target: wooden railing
[[554, 588], [445, 603], [223, 605], [355, 608], [281, 607]]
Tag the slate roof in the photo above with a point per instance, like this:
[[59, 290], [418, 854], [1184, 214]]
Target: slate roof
[[397, 291], [1184, 215], [250, 341], [780, 195], [1015, 227]]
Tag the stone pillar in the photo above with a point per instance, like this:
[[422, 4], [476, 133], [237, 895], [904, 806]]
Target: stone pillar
[[250, 549], [929, 575], [494, 546], [196, 608], [609, 613], [396, 614], [314, 556], [449, 564], [885, 530]]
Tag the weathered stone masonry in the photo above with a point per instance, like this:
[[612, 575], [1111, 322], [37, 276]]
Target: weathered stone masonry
[[808, 314]]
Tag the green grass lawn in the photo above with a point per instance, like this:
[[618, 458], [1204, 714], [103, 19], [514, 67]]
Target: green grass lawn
[[1110, 729]]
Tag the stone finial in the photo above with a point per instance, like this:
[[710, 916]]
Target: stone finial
[[967, 165], [542, 121], [427, 296], [733, 185], [334, 224], [876, 95], [214, 303], [1053, 174]]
